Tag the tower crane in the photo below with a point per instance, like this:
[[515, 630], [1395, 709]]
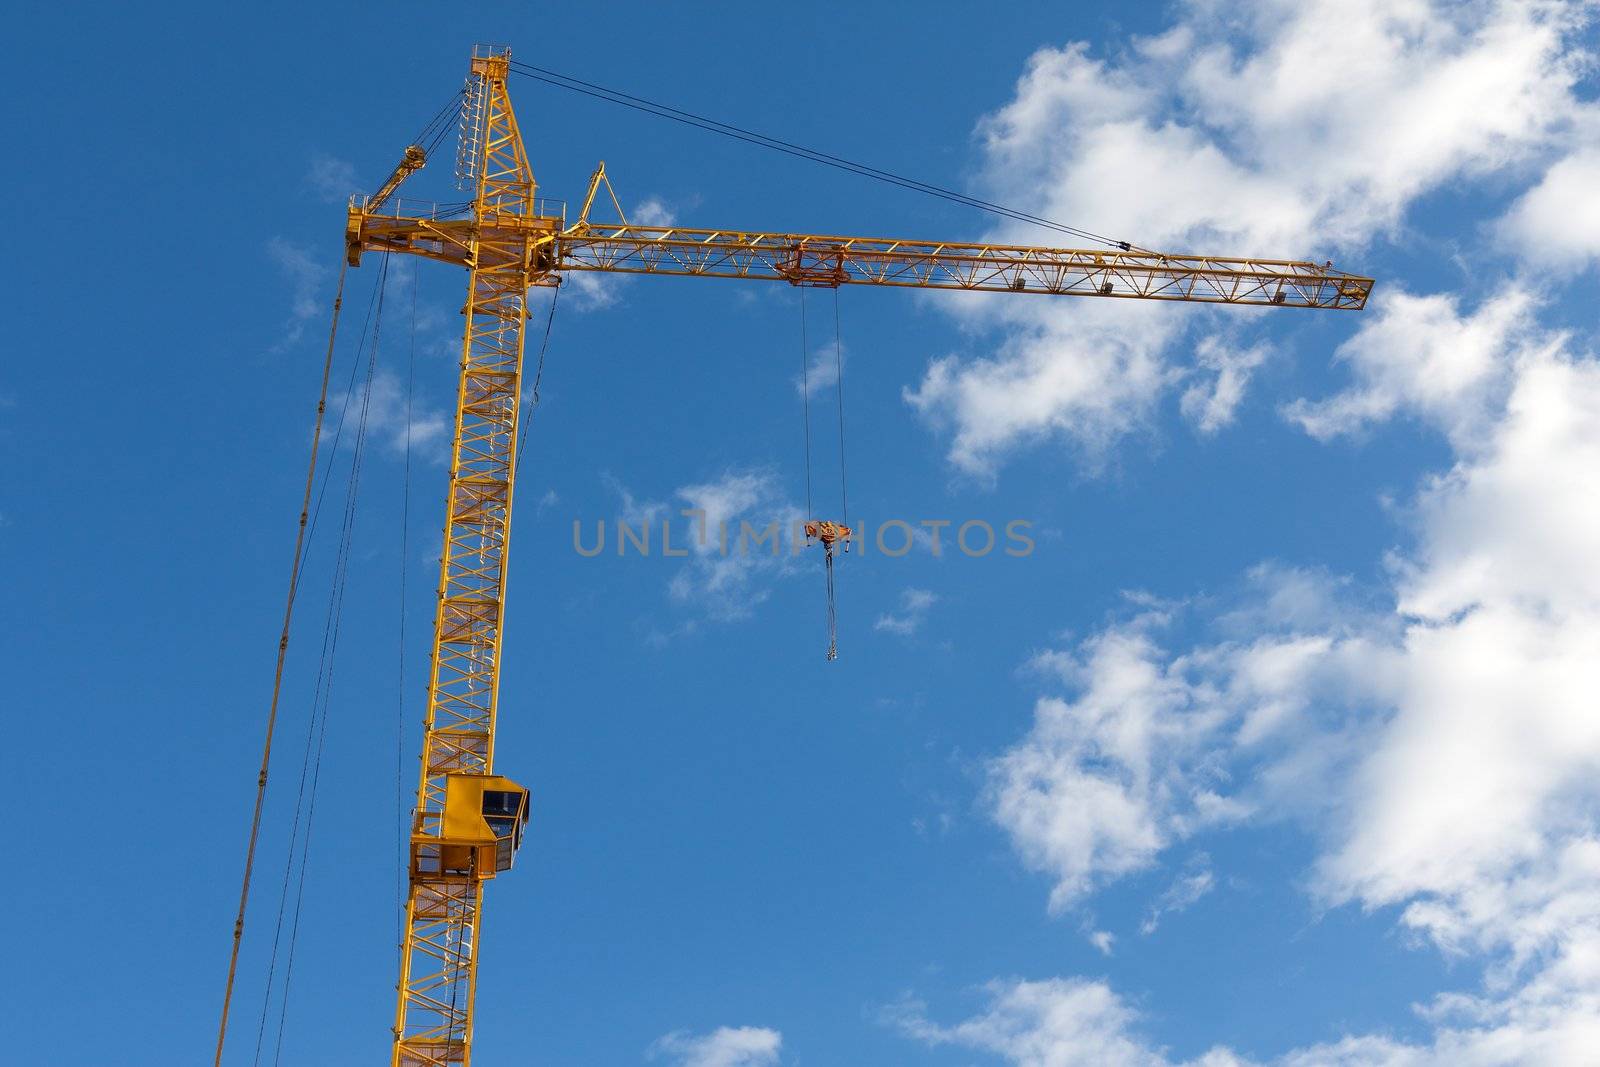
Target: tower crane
[[468, 822]]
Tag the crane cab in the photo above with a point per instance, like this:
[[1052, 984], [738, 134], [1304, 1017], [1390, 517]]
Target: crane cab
[[480, 828]]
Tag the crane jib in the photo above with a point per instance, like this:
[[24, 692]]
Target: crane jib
[[807, 259]]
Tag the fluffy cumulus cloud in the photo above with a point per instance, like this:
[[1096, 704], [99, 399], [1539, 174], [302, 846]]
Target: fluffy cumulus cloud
[[1422, 356], [1054, 1023], [1433, 735], [1066, 1022], [405, 422], [653, 211], [1212, 400], [1280, 129], [1137, 753], [1086, 375], [1556, 223], [1486, 772], [1442, 749], [726, 1046], [738, 532]]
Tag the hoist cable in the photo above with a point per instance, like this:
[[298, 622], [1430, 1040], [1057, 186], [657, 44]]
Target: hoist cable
[[833, 618], [838, 378], [277, 676], [689, 118], [805, 398], [321, 706]]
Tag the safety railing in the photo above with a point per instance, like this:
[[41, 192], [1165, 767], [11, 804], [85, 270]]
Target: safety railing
[[403, 207]]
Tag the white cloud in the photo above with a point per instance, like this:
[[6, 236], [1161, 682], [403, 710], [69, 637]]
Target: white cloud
[[590, 291], [822, 370], [1212, 402], [427, 428], [1277, 129], [1083, 796], [1420, 355], [1515, 525], [306, 278], [1443, 754], [1485, 772], [1055, 1023], [653, 211], [1086, 375], [1236, 100], [729, 569], [636, 512], [1066, 1022], [595, 290], [1194, 882], [1435, 736], [914, 606], [1138, 755], [1425, 91], [741, 1046], [333, 180], [1557, 222]]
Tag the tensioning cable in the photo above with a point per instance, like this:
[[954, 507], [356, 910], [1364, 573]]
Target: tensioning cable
[[789, 148], [538, 378]]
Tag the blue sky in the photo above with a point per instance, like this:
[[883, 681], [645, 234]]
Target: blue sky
[[1279, 748]]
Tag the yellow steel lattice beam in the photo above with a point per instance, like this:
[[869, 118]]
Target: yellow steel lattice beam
[[823, 260], [438, 979]]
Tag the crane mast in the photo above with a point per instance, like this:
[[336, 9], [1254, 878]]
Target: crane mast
[[438, 970], [468, 822]]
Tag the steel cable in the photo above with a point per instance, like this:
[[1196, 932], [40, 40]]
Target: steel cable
[[402, 822], [311, 543], [295, 565], [838, 378], [689, 118], [538, 377], [442, 121], [805, 398], [323, 694]]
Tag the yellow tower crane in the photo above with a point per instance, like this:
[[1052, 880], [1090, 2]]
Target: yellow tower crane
[[468, 822]]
